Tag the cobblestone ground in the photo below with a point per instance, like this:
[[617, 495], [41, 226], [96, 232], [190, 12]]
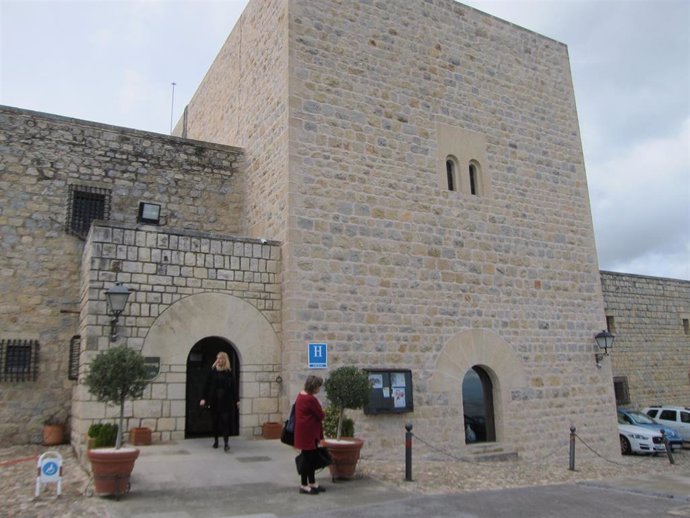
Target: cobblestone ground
[[18, 478], [456, 476], [18, 484]]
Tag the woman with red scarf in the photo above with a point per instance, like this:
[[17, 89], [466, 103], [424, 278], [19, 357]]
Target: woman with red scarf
[[308, 433]]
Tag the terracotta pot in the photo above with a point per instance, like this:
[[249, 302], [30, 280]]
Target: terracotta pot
[[140, 436], [345, 454], [111, 469], [53, 434], [271, 430]]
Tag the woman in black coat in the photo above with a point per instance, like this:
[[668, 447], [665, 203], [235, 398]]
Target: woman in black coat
[[220, 394]]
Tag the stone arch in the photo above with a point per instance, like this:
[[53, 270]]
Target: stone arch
[[195, 317], [485, 349], [185, 323]]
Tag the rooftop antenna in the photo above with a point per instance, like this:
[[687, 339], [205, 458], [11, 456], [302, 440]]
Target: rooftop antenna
[[172, 106]]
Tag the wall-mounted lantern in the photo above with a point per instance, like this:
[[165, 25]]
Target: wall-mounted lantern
[[116, 297], [604, 342]]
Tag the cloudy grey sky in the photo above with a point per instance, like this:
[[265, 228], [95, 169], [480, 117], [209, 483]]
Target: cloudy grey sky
[[113, 61]]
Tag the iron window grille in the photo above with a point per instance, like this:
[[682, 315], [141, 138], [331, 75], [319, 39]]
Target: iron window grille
[[620, 388], [84, 205], [19, 360], [74, 345]]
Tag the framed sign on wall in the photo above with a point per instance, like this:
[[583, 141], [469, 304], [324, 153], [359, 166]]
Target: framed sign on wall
[[391, 391]]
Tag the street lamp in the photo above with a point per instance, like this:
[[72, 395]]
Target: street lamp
[[605, 342], [116, 297]]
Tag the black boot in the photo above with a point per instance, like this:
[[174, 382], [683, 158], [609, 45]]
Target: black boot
[[215, 443], [226, 447]]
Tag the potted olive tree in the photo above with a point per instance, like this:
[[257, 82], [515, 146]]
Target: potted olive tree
[[346, 388], [115, 375]]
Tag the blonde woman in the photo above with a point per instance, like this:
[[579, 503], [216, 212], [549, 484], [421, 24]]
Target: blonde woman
[[220, 393]]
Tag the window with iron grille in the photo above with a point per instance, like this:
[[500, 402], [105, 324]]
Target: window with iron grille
[[73, 373], [84, 205], [620, 388], [18, 360]]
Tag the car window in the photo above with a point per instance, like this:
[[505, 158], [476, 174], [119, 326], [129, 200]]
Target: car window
[[685, 417], [668, 415], [652, 412], [640, 418]]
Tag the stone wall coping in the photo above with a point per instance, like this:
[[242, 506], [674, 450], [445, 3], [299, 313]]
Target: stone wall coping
[[640, 276], [61, 119]]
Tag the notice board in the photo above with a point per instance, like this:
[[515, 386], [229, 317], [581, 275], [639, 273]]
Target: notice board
[[391, 391]]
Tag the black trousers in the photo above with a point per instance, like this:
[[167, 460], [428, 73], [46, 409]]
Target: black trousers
[[308, 473], [221, 424]]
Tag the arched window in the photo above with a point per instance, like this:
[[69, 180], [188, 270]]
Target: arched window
[[474, 178], [450, 174], [477, 401]]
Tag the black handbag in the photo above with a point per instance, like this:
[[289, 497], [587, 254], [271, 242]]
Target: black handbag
[[320, 460], [323, 458], [287, 435]]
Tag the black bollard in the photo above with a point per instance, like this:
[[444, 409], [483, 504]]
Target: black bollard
[[408, 452], [572, 449]]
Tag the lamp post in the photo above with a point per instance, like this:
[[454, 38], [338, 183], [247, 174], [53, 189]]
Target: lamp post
[[116, 296], [604, 342]]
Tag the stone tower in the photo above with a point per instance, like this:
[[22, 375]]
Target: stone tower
[[421, 165]]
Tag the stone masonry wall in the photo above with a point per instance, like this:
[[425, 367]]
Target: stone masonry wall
[[197, 184], [389, 265], [163, 267], [384, 263], [242, 101], [649, 318]]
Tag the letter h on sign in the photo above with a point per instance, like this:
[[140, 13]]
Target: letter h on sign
[[318, 356]]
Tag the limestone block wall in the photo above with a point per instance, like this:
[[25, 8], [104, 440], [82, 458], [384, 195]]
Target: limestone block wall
[[242, 101], [381, 260], [197, 185], [389, 265], [164, 267], [649, 317]]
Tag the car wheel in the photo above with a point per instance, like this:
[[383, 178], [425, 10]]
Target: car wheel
[[625, 446]]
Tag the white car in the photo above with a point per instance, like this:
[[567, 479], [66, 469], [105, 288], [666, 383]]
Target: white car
[[638, 439], [676, 417]]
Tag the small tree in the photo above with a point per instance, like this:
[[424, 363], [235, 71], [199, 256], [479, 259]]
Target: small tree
[[347, 387], [117, 374]]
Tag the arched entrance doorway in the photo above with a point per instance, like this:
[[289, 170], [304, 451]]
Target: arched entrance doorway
[[478, 404], [201, 357]]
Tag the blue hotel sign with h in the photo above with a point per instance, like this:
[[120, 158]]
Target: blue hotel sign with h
[[318, 356]]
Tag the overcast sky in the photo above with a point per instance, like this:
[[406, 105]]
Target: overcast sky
[[113, 61]]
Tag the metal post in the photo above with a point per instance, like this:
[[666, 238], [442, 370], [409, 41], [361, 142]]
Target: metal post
[[408, 452], [664, 439], [572, 449]]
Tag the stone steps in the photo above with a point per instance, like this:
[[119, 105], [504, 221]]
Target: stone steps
[[489, 451]]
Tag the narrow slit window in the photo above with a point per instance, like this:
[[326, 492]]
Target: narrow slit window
[[74, 344], [686, 326], [473, 180], [610, 324], [450, 174], [620, 388]]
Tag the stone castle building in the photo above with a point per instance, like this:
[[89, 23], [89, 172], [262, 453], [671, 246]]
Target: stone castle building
[[408, 190]]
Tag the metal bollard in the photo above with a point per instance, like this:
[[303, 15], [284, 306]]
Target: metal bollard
[[572, 449], [664, 439], [408, 452]]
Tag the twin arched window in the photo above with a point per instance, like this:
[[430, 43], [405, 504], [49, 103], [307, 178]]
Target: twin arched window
[[473, 176]]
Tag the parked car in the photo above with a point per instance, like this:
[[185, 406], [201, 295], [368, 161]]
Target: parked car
[[638, 439], [675, 441], [677, 417]]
